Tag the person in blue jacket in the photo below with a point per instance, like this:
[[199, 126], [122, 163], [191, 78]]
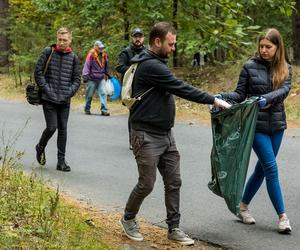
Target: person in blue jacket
[[267, 75]]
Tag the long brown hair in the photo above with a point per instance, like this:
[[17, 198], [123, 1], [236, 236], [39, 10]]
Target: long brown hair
[[280, 70]]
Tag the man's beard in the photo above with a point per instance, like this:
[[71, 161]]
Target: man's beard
[[162, 54], [138, 44]]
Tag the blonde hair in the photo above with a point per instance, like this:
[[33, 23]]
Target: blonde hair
[[64, 30], [280, 71]]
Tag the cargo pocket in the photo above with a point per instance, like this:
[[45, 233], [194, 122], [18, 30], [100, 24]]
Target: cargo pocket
[[137, 141]]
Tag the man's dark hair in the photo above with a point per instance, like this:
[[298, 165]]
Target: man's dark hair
[[160, 30]]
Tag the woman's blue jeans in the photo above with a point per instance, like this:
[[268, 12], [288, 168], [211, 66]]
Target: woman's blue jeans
[[92, 86], [266, 147]]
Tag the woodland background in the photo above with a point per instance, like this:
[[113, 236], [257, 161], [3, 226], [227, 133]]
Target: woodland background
[[224, 30]]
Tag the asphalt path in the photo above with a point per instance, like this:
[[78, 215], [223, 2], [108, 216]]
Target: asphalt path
[[104, 172]]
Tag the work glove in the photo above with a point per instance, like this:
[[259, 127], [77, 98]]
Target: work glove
[[262, 102], [219, 103]]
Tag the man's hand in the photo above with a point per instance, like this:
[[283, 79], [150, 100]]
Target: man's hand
[[219, 103]]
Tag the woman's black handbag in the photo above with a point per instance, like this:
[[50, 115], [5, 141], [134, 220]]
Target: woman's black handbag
[[33, 91]]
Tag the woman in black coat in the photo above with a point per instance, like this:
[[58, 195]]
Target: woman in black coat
[[268, 76]]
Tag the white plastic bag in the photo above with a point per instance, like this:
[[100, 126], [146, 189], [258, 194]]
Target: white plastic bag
[[109, 87]]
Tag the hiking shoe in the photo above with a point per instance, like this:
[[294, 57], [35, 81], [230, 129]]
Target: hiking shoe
[[284, 226], [63, 166], [131, 229], [180, 237], [105, 113], [40, 154], [246, 217]]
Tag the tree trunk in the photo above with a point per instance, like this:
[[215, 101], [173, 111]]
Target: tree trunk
[[175, 8], [296, 33], [124, 11], [3, 37]]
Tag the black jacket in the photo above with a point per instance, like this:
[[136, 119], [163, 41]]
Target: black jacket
[[156, 111], [62, 78], [256, 80], [125, 56]]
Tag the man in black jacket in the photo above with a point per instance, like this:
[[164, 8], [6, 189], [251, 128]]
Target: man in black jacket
[[135, 48], [152, 120], [59, 83]]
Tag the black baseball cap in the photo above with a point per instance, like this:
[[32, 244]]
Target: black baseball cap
[[137, 31]]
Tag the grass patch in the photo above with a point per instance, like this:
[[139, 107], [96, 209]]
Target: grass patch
[[33, 216]]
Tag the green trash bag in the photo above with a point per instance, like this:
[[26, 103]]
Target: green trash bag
[[233, 132]]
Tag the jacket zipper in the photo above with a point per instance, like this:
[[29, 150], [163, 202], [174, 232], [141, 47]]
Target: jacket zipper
[[60, 69]]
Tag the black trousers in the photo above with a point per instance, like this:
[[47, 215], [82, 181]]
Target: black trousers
[[152, 152], [56, 116]]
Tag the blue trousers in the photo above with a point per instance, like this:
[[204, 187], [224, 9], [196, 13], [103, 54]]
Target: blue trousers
[[266, 147], [92, 86]]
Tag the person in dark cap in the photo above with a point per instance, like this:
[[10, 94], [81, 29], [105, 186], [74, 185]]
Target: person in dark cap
[[95, 72], [137, 32], [135, 48]]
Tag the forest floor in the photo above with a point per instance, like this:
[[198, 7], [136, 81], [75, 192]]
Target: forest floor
[[211, 79]]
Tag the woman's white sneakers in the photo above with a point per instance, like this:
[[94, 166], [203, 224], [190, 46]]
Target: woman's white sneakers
[[284, 226], [246, 217]]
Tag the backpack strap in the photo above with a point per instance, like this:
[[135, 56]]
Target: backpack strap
[[127, 97], [48, 60]]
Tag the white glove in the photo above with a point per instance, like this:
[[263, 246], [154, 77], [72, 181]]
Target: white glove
[[219, 103]]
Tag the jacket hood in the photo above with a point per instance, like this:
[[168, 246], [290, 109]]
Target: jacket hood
[[57, 49], [147, 55]]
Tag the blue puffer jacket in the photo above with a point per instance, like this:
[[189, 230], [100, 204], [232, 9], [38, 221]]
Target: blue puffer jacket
[[62, 78], [256, 80]]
